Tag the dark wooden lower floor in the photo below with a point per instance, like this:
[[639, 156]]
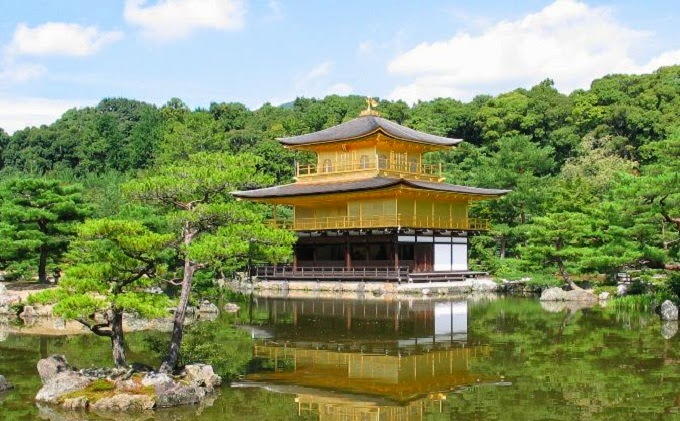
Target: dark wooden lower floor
[[415, 252]]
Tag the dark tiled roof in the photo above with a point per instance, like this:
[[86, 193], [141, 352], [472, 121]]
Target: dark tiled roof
[[305, 189], [361, 126], [429, 185]]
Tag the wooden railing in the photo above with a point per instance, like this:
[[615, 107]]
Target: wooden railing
[[385, 221], [287, 272], [365, 163]]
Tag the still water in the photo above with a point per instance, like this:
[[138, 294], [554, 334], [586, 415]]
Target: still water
[[419, 359]]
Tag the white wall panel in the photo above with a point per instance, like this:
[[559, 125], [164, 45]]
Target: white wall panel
[[459, 258], [442, 257]]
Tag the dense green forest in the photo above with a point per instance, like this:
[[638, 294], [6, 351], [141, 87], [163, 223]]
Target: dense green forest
[[594, 174]]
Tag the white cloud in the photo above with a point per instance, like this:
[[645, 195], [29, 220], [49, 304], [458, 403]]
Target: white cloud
[[57, 38], [315, 83], [318, 71], [568, 41], [171, 19], [17, 113], [22, 72]]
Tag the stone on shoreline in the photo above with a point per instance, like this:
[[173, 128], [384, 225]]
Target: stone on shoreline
[[5, 384], [554, 294], [558, 294], [38, 310], [121, 389], [621, 290], [6, 301], [208, 307], [231, 308], [669, 311]]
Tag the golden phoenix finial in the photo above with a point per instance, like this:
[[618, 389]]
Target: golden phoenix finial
[[370, 104]]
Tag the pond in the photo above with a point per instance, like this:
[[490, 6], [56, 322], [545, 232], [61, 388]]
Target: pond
[[431, 359]]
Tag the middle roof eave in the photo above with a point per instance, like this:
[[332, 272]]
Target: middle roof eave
[[309, 189]]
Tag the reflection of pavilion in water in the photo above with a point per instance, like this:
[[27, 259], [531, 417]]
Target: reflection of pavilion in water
[[393, 360], [385, 327]]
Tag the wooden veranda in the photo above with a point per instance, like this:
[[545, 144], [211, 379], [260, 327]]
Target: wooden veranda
[[387, 274]]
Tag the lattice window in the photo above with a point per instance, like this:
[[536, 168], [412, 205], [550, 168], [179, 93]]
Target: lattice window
[[363, 162]]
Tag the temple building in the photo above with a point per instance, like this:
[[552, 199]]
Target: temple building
[[370, 208]]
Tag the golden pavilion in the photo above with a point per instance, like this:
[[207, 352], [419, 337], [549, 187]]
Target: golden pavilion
[[370, 208]]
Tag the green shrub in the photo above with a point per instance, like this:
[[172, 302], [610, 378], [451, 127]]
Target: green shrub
[[673, 285], [638, 287], [605, 288]]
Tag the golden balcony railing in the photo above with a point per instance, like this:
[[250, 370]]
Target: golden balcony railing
[[384, 221], [393, 165]]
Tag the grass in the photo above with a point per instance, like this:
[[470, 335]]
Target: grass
[[643, 302], [98, 389], [611, 289]]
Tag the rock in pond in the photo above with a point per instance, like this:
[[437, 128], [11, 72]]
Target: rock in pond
[[5, 384], [669, 311], [122, 389], [124, 402], [669, 328], [49, 367], [61, 384], [202, 375]]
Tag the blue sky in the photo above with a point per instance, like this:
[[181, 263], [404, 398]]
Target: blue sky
[[55, 55]]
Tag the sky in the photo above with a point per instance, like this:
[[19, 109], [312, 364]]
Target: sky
[[56, 55]]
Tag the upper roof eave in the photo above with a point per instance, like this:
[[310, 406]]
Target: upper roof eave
[[364, 126]]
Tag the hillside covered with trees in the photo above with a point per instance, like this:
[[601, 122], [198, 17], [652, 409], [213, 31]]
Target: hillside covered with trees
[[595, 174]]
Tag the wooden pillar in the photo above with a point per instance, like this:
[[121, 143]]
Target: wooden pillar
[[348, 256], [395, 244]]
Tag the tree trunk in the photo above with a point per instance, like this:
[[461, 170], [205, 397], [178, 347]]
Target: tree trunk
[[563, 273], [172, 355], [117, 338], [503, 246], [42, 265]]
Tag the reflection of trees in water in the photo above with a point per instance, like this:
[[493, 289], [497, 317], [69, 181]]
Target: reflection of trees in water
[[591, 363]]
